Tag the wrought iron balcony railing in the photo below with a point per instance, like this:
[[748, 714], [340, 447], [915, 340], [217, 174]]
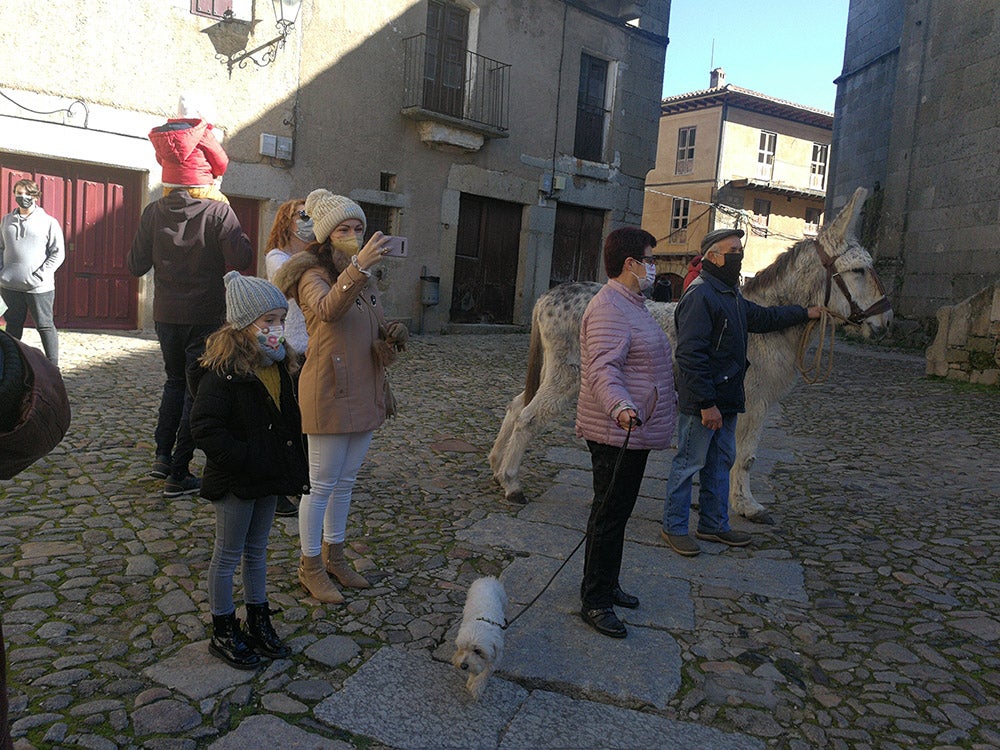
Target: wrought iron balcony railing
[[461, 85]]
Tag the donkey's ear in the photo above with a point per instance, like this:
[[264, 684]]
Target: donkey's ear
[[839, 229]]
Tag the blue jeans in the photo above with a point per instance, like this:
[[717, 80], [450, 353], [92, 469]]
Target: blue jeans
[[709, 454], [180, 345], [40, 306], [242, 528]]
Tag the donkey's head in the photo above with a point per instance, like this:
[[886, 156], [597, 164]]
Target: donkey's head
[[852, 287]]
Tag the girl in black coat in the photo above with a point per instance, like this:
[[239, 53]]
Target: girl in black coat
[[247, 422]]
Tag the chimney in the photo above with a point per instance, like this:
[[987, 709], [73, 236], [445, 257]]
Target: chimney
[[717, 78]]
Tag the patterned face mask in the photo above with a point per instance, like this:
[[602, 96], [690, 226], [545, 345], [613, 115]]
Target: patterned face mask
[[272, 341]]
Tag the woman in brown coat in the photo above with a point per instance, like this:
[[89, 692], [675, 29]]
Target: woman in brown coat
[[342, 384]]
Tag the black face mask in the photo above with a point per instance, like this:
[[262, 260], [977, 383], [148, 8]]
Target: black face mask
[[25, 201], [729, 273]]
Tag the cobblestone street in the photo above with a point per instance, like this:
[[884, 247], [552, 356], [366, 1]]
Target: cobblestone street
[[886, 634]]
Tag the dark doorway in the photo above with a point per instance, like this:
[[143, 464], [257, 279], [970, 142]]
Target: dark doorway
[[489, 238], [576, 246], [98, 208]]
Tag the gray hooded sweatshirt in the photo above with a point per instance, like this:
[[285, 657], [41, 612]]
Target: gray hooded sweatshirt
[[31, 249]]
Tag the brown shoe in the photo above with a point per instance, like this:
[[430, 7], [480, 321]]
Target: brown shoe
[[339, 568], [313, 577], [682, 544], [732, 538]]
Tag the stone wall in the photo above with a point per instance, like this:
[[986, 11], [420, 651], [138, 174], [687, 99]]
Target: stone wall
[[967, 345]]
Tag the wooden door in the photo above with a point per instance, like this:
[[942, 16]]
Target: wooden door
[[489, 239], [247, 210], [576, 245], [444, 57], [98, 209]]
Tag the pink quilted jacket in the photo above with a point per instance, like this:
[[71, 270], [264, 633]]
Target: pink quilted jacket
[[624, 356]]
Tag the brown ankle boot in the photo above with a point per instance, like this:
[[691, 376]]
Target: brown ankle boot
[[316, 582], [337, 566]]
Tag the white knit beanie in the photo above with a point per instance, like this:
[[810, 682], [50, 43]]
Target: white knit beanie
[[328, 210], [248, 297]]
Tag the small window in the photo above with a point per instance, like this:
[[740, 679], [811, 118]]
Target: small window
[[379, 219], [817, 168], [762, 213], [814, 217], [590, 108], [685, 151], [679, 213], [211, 8], [765, 155]]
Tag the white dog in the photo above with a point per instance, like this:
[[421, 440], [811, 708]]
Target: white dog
[[479, 644]]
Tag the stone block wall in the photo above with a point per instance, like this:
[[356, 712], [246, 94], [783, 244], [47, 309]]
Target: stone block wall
[[967, 345]]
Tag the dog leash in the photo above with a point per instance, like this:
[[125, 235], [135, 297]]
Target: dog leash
[[607, 495]]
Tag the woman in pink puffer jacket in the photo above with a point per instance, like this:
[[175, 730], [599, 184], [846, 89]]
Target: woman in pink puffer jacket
[[626, 391]]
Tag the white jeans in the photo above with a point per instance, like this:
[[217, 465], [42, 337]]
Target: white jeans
[[334, 461]]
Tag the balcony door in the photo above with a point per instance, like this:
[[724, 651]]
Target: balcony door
[[444, 64]]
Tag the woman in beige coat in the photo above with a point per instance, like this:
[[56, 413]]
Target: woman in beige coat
[[342, 384]]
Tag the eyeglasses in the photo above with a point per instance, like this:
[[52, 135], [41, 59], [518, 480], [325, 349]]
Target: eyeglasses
[[303, 215]]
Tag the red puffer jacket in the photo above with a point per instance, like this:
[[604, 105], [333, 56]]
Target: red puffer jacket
[[188, 152]]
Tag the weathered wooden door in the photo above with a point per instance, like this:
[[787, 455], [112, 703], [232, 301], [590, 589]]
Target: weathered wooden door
[[98, 209], [576, 245], [444, 57], [489, 239]]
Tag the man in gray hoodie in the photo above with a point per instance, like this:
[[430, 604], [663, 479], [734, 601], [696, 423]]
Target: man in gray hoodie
[[31, 249]]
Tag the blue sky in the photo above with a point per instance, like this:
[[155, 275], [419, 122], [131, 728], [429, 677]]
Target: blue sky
[[790, 49]]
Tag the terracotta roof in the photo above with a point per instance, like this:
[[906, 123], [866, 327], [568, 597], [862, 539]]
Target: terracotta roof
[[746, 99]]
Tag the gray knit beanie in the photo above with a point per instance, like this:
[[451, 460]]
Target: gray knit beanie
[[247, 298], [328, 210]]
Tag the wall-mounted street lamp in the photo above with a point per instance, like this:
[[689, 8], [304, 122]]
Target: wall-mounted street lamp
[[230, 37]]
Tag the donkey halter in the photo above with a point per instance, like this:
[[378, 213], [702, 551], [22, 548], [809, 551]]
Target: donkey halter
[[857, 316]]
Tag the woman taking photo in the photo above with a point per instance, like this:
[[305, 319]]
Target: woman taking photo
[[342, 384]]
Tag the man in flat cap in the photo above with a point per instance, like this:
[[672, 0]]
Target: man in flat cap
[[713, 321]]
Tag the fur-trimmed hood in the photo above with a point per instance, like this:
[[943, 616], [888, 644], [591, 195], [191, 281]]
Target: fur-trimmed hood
[[288, 276]]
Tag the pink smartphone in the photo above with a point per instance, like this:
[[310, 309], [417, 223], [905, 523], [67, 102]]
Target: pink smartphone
[[395, 247]]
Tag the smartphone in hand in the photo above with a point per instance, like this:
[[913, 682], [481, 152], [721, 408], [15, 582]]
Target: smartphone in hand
[[395, 247]]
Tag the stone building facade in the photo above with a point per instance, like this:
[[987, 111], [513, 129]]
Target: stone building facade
[[729, 156], [917, 118], [503, 138]]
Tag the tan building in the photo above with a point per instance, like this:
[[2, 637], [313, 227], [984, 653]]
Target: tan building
[[503, 138], [727, 157]]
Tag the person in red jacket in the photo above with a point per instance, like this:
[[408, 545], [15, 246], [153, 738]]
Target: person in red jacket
[[190, 151], [694, 268]]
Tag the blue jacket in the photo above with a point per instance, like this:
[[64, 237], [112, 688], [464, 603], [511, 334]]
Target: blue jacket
[[713, 321]]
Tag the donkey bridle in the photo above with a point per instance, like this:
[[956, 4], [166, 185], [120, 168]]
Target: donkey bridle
[[857, 316]]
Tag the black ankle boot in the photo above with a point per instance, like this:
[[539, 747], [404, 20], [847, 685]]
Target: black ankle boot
[[228, 643], [260, 633]]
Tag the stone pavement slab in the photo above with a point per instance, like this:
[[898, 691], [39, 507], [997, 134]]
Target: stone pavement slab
[[196, 673], [267, 731], [406, 700], [431, 709], [550, 720]]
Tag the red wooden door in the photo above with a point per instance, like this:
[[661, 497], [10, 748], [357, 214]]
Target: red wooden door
[[98, 209], [247, 210]]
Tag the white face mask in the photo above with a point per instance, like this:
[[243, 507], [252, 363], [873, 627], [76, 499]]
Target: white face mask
[[646, 282]]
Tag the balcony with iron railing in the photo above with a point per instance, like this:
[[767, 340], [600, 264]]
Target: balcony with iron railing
[[458, 101]]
